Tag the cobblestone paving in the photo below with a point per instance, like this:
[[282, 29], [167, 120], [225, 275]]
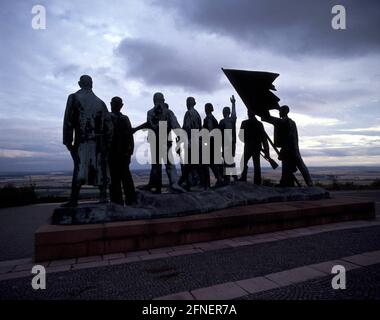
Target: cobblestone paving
[[362, 284], [160, 277]]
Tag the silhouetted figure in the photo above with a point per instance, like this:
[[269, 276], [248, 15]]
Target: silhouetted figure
[[87, 132], [191, 173], [210, 123], [286, 138], [228, 140], [160, 112], [255, 141], [120, 154]]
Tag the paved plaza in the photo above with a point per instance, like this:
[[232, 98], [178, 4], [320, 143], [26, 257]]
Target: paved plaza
[[291, 264]]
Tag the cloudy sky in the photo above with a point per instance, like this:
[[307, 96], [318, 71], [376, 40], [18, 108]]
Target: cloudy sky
[[330, 78]]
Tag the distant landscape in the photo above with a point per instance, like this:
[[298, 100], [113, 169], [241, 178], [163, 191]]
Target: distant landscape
[[34, 187]]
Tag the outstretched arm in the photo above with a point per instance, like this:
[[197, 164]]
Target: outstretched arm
[[268, 118], [145, 125]]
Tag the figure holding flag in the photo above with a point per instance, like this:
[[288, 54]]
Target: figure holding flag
[[286, 138], [255, 89]]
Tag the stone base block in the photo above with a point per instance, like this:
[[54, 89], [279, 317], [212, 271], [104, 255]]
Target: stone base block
[[64, 241]]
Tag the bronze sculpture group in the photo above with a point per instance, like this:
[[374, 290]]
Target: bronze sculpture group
[[101, 144]]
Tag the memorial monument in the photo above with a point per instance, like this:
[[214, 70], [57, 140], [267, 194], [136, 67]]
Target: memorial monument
[[151, 218]]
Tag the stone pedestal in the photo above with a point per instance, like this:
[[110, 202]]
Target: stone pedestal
[[153, 206], [67, 241]]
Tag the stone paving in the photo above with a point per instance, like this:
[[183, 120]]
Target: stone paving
[[21, 267], [291, 264], [229, 270], [362, 284], [241, 288]]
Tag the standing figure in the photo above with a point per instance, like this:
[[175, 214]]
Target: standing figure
[[255, 140], [210, 123], [120, 154], [228, 138], [192, 120], [160, 112], [87, 133], [286, 138]]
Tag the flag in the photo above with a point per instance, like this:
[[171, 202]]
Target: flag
[[254, 88]]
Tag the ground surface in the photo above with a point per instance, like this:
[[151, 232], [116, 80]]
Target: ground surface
[[148, 275]]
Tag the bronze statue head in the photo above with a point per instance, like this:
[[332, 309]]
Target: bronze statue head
[[226, 112], [158, 98], [209, 108], [116, 104], [85, 82], [190, 103], [284, 110]]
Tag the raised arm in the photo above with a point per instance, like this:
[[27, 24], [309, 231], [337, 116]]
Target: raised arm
[[233, 109]]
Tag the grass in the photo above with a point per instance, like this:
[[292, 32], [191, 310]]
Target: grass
[[12, 196], [17, 196], [335, 185]]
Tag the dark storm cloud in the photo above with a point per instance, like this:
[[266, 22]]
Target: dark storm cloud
[[161, 65], [290, 27], [43, 136]]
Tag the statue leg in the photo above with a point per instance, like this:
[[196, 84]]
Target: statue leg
[[154, 158], [128, 185], [223, 168], [206, 175], [187, 170], [115, 186], [257, 169], [287, 174], [246, 157], [104, 179], [182, 177], [234, 164], [103, 193], [202, 177], [75, 185], [304, 171], [200, 168], [149, 186], [74, 196], [172, 175], [215, 168], [216, 171], [157, 170], [229, 167], [156, 177]]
